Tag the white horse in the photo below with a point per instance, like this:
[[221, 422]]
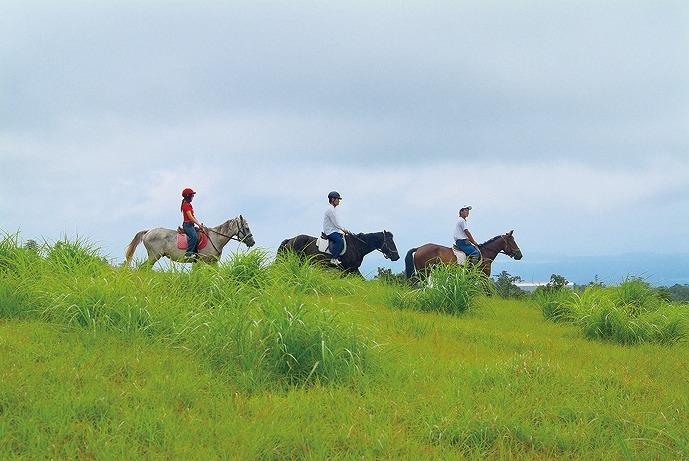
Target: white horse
[[163, 242]]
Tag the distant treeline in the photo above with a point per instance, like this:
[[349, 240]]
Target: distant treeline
[[505, 284], [676, 293]]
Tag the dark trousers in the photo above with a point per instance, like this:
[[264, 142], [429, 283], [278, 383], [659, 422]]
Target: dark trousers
[[192, 237], [337, 244]]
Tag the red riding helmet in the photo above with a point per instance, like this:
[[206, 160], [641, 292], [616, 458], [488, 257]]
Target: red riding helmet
[[187, 192]]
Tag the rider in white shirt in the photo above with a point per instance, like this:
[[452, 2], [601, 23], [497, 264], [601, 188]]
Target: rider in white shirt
[[463, 238], [332, 228]]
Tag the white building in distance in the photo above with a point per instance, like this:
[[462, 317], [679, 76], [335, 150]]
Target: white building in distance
[[530, 287]]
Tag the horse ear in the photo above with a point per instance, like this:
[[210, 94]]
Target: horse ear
[[510, 232]]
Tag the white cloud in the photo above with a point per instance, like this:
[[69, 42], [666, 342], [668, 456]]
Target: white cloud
[[560, 120]]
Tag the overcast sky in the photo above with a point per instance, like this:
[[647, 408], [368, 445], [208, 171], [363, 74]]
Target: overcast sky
[[565, 121]]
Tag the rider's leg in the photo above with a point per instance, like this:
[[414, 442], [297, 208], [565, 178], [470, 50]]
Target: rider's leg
[[192, 238], [470, 250], [337, 245]]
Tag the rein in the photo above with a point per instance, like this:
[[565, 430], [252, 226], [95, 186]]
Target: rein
[[502, 250], [214, 247], [230, 237], [366, 243]]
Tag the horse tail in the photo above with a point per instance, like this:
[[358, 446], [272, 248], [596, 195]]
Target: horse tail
[[409, 268], [132, 246]]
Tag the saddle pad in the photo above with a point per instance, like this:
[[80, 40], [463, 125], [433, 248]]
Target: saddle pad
[[323, 246], [182, 241], [460, 255]]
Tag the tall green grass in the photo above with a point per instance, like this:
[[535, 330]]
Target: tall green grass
[[299, 274], [557, 304], [248, 319], [14, 258], [246, 361], [449, 289], [630, 313]]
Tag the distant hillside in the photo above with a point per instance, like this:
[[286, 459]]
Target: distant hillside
[[657, 269]]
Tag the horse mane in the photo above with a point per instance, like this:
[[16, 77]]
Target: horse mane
[[491, 240], [227, 223], [370, 239]]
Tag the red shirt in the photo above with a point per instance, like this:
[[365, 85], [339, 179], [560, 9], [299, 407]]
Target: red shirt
[[186, 206]]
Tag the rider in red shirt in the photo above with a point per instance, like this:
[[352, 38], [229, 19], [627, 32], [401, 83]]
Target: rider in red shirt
[[189, 221]]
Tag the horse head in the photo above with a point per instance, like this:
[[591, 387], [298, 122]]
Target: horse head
[[511, 248], [244, 233], [388, 247]]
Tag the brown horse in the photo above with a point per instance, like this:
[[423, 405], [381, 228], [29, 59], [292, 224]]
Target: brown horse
[[421, 258]]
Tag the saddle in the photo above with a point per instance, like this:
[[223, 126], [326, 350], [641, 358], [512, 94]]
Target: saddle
[[182, 242], [323, 244], [461, 256]]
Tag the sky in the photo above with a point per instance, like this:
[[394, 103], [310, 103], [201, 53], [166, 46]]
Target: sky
[[567, 121]]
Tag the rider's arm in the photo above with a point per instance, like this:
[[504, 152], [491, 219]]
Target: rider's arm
[[191, 217], [471, 237]]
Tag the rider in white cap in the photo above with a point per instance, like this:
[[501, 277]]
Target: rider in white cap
[[463, 239]]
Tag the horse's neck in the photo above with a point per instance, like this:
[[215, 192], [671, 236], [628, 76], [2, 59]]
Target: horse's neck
[[490, 249], [226, 230], [370, 243]]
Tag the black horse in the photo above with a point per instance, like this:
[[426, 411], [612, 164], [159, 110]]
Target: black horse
[[358, 246]]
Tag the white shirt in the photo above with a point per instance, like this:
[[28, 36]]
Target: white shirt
[[330, 222], [460, 229]]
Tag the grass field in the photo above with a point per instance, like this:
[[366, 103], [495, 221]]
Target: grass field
[[256, 361]]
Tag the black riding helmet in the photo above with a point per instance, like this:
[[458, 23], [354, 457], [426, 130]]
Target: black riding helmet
[[334, 194]]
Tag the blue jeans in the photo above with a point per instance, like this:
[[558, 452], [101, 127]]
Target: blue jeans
[[192, 238], [468, 248], [337, 244]]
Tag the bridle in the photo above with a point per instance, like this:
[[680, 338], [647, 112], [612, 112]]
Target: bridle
[[502, 250], [241, 229], [508, 245]]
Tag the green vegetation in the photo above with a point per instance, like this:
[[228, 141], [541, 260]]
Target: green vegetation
[[450, 289], [250, 360], [630, 313], [244, 318], [676, 293], [557, 305], [505, 285], [386, 275]]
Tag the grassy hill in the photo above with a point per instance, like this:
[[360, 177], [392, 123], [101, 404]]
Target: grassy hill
[[251, 361]]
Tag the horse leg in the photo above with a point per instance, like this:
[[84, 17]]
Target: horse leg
[[353, 271], [153, 257]]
